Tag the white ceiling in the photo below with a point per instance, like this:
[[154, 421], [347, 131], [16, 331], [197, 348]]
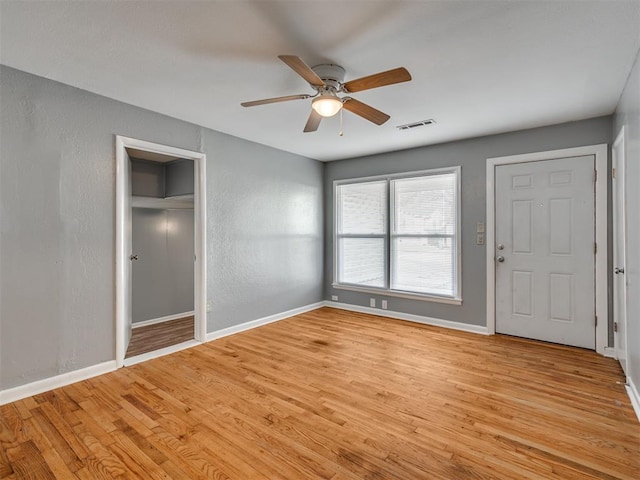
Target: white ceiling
[[478, 67]]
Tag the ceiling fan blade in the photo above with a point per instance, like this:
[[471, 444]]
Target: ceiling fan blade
[[275, 100], [365, 111], [302, 69], [390, 77], [313, 123]]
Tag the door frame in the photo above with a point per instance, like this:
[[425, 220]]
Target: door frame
[[601, 269], [618, 154], [123, 238]]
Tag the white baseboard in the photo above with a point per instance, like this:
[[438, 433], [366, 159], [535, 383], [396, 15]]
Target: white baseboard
[[609, 352], [262, 321], [44, 385], [160, 352], [168, 318], [634, 396], [465, 327]]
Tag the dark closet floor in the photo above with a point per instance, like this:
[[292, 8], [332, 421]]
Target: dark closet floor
[[161, 335]]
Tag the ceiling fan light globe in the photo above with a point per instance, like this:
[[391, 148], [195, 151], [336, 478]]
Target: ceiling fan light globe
[[327, 105]]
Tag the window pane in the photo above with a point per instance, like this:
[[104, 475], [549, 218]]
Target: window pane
[[362, 208], [361, 261], [423, 265], [425, 205]]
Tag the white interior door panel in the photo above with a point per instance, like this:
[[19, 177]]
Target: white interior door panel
[[545, 259]]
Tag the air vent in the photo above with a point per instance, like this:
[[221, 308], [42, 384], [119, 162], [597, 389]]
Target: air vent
[[409, 126]]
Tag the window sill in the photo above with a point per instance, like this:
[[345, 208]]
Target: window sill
[[391, 293]]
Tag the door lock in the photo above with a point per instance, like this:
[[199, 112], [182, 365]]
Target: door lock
[[500, 258], [500, 246], [618, 270]]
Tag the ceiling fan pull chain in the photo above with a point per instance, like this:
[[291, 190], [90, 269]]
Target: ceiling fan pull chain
[[341, 132]]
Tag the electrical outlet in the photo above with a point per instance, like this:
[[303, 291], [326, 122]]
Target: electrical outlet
[[480, 239], [372, 302], [209, 307], [384, 304], [334, 298]]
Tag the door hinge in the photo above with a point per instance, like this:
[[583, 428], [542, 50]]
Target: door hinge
[[595, 175], [613, 172], [595, 247], [615, 326], [596, 320]]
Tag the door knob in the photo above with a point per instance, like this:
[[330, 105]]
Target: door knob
[[500, 246], [500, 258], [618, 270], [133, 257]]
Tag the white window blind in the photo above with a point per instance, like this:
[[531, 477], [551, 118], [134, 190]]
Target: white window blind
[[362, 229], [399, 234], [423, 254]]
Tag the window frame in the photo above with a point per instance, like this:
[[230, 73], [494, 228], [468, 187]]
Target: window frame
[[456, 298]]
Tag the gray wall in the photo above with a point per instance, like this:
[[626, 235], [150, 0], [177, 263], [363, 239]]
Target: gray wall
[[57, 234], [147, 178], [162, 277], [153, 179], [471, 155], [179, 178], [265, 219], [628, 115]]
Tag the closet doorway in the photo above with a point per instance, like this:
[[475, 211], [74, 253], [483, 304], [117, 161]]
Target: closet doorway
[[160, 250]]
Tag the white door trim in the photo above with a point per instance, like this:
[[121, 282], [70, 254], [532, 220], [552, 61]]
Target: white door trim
[[600, 153], [200, 280]]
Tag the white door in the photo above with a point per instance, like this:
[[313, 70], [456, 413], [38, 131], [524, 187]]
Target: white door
[[619, 252], [545, 259]]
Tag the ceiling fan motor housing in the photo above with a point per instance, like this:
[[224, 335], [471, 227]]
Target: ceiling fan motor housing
[[332, 75]]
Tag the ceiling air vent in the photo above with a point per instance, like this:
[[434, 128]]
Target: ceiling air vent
[[409, 126]]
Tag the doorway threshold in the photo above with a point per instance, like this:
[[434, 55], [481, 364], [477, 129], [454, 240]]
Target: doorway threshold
[[160, 352]]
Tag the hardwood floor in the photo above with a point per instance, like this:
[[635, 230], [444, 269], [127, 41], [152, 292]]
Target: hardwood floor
[[160, 335], [336, 395]]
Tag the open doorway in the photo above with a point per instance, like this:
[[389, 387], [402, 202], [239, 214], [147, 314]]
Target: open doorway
[[160, 250], [162, 262]]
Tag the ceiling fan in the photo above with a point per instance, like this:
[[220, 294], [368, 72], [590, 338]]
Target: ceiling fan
[[327, 81]]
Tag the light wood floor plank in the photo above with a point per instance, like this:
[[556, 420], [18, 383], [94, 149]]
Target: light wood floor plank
[[341, 396]]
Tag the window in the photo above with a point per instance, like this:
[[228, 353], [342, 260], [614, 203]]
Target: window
[[362, 227], [398, 235]]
